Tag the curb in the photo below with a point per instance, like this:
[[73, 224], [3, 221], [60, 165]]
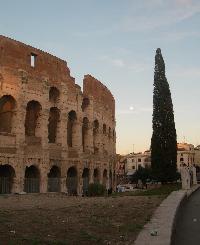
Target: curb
[[163, 220]]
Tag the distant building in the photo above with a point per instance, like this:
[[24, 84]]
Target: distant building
[[197, 155], [185, 154], [136, 160]]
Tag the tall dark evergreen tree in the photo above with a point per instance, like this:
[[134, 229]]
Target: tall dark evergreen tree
[[163, 141]]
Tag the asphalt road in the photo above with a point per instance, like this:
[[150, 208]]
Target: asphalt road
[[187, 229]]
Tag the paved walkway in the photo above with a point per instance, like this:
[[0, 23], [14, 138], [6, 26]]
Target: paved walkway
[[187, 229]]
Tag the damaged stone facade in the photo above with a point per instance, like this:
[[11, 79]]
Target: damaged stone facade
[[53, 136]]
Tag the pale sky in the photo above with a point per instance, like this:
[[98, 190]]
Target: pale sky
[[115, 41]]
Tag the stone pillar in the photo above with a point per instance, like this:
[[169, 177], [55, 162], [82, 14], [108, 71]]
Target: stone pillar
[[62, 130], [91, 176], [43, 181], [77, 136], [18, 181], [80, 186], [90, 146], [63, 185], [43, 131], [18, 125]]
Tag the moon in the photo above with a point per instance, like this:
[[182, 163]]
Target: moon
[[131, 108]]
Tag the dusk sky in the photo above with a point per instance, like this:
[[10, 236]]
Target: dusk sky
[[115, 41]]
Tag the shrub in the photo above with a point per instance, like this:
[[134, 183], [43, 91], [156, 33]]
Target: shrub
[[96, 189]]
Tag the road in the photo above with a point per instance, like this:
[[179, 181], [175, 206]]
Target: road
[[187, 229]]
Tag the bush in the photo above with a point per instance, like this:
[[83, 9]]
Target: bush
[[96, 189]]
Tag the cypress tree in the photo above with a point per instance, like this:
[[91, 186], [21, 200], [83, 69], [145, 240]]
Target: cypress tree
[[163, 141]]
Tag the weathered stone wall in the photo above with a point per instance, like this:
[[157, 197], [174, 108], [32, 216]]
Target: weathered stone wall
[[48, 112]]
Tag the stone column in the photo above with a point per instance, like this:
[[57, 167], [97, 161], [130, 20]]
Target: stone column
[[43, 181], [91, 176], [43, 131], [63, 185], [77, 136], [90, 146], [62, 130], [18, 125]]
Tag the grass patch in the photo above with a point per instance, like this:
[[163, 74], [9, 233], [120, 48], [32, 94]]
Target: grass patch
[[162, 190], [131, 227], [85, 236]]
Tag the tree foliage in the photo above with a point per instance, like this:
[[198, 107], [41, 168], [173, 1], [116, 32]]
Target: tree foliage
[[143, 174], [163, 141]]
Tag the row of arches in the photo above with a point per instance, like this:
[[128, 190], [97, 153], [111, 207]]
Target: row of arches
[[33, 121], [32, 178]]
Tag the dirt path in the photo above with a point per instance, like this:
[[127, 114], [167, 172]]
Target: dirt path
[[58, 219]]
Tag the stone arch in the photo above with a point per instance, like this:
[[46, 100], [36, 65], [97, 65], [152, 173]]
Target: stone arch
[[85, 177], [85, 103], [7, 107], [32, 179], [54, 176], [95, 135], [33, 116], [54, 95], [96, 175], [72, 181], [7, 175], [105, 178], [85, 135], [54, 117], [104, 128], [71, 128]]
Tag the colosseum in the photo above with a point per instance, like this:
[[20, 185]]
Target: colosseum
[[54, 137]]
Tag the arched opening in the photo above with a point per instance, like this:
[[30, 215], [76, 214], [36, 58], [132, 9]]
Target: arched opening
[[105, 177], [7, 106], [32, 180], [70, 127], [95, 135], [54, 116], [7, 174], [96, 176], [85, 128], [54, 179], [85, 177], [33, 110], [72, 181], [104, 128], [54, 95], [85, 103]]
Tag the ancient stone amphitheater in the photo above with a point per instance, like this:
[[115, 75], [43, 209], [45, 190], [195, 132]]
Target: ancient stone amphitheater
[[54, 137]]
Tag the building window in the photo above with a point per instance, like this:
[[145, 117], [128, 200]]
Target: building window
[[132, 160], [181, 159], [133, 167], [33, 59], [139, 160]]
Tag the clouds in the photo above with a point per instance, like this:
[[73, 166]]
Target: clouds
[[124, 63], [135, 110], [153, 14]]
